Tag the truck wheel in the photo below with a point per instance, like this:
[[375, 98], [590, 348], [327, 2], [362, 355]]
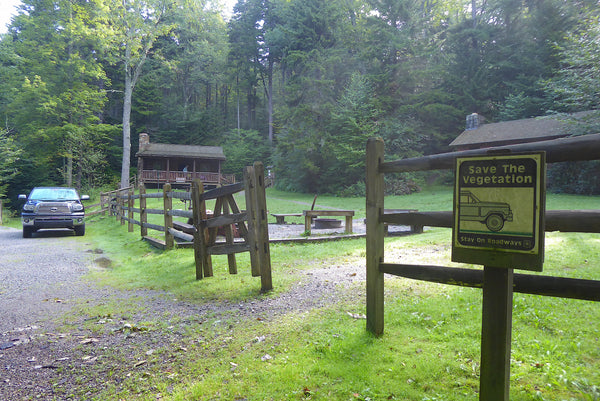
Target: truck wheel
[[80, 230], [27, 231], [494, 222]]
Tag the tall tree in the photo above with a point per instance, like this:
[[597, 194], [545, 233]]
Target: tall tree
[[184, 96], [137, 24], [255, 48], [505, 53], [576, 86], [56, 47], [315, 69]]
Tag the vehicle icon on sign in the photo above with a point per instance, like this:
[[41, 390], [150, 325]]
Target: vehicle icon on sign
[[492, 214]]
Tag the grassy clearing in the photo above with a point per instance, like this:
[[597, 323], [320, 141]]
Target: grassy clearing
[[437, 198], [430, 199], [430, 349]]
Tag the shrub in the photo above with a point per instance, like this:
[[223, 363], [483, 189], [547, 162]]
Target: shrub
[[582, 178]]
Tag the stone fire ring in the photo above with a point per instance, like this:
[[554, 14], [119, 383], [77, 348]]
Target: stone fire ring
[[321, 223]]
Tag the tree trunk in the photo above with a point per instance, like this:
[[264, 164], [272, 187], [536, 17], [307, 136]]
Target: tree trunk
[[126, 129], [270, 100], [69, 172]]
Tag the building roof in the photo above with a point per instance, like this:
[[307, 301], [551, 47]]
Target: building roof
[[191, 151], [518, 131]]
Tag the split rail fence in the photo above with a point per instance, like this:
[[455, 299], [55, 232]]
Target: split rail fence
[[103, 206], [201, 229], [497, 304]]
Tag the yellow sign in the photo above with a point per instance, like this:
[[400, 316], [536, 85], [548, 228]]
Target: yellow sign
[[499, 204]]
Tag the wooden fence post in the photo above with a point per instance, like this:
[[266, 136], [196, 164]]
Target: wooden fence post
[[103, 212], [249, 185], [375, 236], [202, 258], [143, 213], [120, 207], [197, 189], [168, 205], [130, 215], [496, 331], [262, 227], [115, 209]]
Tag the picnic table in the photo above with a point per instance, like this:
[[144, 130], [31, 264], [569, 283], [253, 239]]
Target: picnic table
[[280, 217], [309, 215]]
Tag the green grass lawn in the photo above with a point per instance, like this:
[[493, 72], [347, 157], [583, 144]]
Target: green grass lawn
[[431, 346], [438, 198]]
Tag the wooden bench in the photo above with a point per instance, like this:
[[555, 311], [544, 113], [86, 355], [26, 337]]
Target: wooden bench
[[309, 215], [184, 227], [280, 217]]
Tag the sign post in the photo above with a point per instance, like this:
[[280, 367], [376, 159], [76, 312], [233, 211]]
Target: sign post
[[499, 207]]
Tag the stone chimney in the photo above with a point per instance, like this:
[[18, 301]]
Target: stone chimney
[[474, 121], [144, 140]]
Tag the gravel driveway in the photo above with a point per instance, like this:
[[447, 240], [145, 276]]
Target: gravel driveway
[[47, 353], [38, 276]]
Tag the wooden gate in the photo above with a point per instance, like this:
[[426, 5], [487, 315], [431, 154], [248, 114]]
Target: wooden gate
[[201, 234], [226, 213]]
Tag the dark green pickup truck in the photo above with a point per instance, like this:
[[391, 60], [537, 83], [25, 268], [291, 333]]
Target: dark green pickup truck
[[492, 214]]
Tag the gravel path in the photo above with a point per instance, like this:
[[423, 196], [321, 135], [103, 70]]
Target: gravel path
[[38, 275], [48, 354]]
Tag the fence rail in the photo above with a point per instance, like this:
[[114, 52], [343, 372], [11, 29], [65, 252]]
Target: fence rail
[[582, 221]]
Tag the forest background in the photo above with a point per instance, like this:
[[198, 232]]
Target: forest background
[[297, 84]]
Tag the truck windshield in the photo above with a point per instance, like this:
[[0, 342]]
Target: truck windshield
[[53, 194]]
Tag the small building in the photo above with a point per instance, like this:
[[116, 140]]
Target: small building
[[179, 165], [480, 135]]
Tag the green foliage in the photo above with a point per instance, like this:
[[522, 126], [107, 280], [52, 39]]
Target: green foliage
[[136, 26], [582, 177], [519, 106], [181, 97], [575, 178], [9, 154], [353, 121], [61, 96], [575, 86], [243, 148], [504, 51]]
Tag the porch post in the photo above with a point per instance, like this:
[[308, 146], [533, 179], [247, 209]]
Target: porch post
[[168, 171], [140, 170], [219, 172]]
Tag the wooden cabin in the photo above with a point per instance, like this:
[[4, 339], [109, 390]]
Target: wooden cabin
[[179, 165], [479, 135]]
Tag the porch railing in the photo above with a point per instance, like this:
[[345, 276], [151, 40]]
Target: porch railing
[[176, 177]]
